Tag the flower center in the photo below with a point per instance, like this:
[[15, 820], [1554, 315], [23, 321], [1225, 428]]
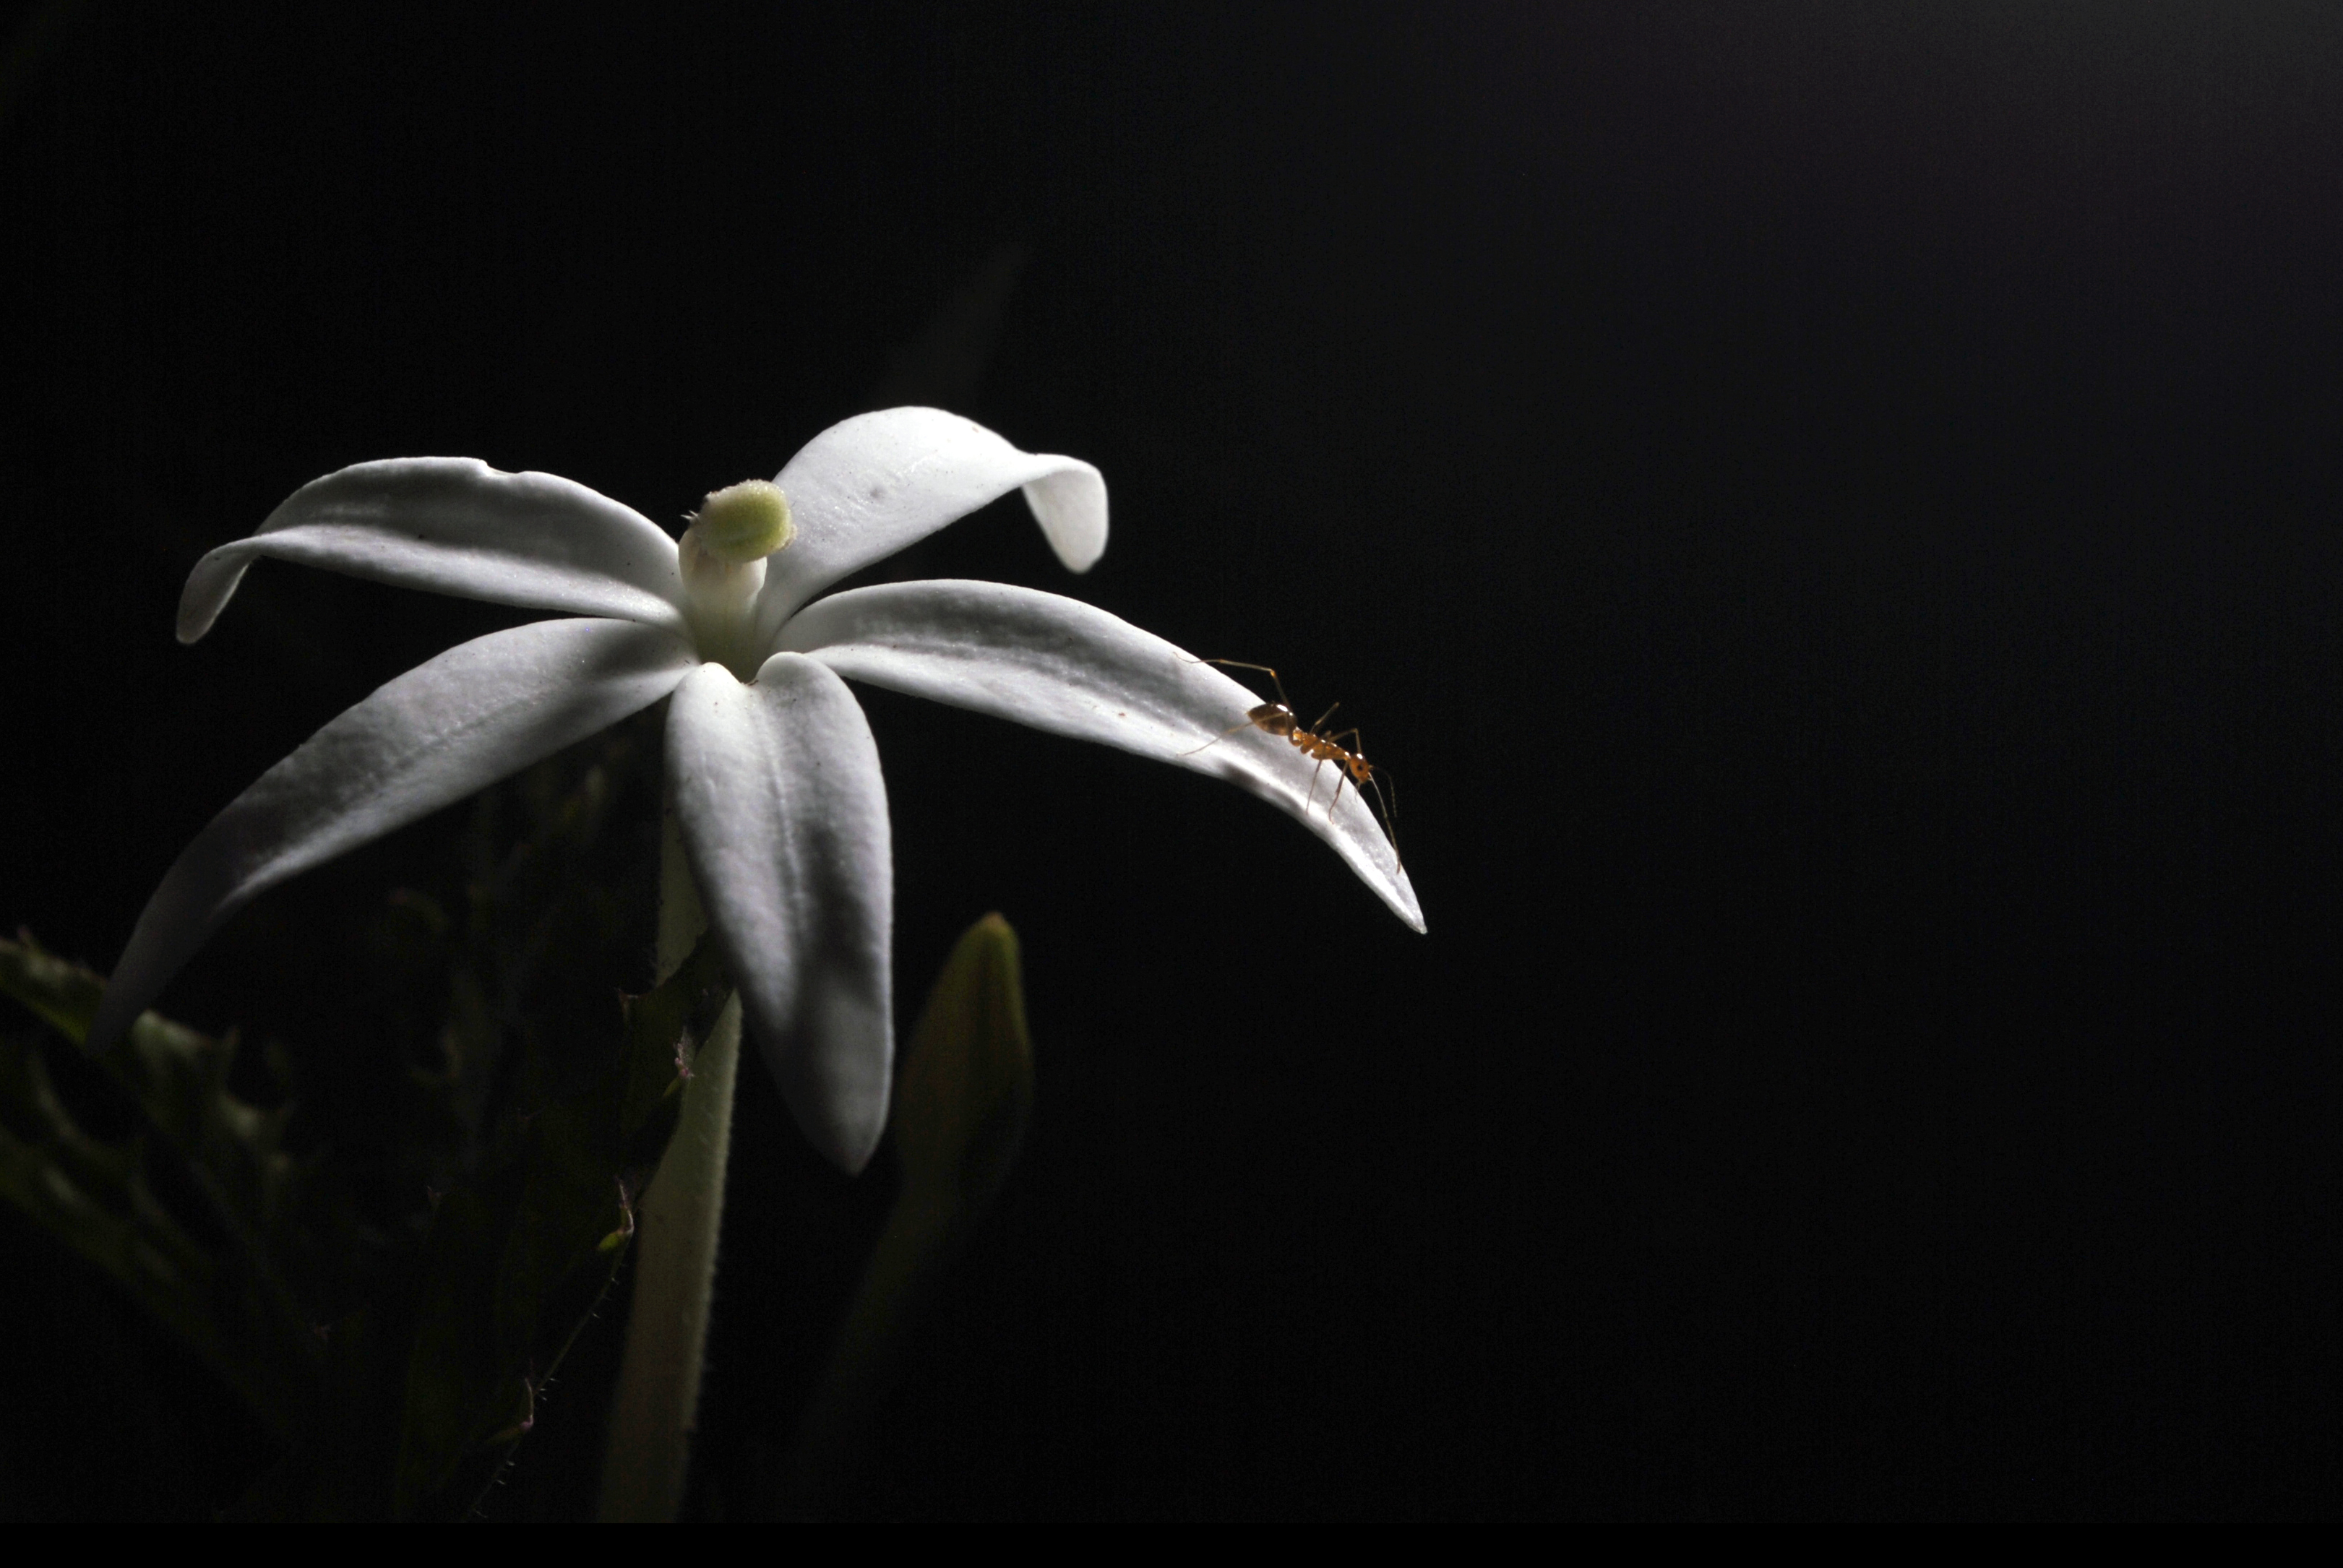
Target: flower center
[[744, 522], [723, 557]]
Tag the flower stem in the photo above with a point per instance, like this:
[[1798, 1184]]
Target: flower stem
[[658, 1402]]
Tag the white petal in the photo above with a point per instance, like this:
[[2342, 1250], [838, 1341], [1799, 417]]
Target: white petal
[[443, 730], [863, 489], [456, 526], [784, 817], [1063, 666]]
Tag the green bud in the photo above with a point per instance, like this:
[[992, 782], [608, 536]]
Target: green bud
[[744, 522], [968, 1078], [961, 1109]]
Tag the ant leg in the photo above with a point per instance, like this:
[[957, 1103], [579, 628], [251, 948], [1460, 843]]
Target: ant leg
[[1324, 716], [1216, 739], [1390, 811], [1313, 788]]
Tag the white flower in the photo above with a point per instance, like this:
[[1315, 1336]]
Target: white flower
[[774, 774]]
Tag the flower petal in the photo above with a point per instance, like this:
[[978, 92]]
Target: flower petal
[[784, 817], [1059, 665], [864, 488], [443, 730], [456, 526]]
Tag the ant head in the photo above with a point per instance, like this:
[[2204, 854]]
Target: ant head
[[1274, 717]]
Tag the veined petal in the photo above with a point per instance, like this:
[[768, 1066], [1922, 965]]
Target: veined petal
[[784, 819], [864, 488], [443, 730], [1059, 665], [456, 526]]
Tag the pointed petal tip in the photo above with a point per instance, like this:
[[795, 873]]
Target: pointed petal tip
[[1058, 664], [1071, 506], [210, 585], [843, 1125], [851, 1150]]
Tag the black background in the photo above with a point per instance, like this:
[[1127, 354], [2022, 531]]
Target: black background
[[1828, 512]]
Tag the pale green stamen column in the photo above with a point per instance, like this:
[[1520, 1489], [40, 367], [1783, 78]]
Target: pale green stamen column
[[683, 1212]]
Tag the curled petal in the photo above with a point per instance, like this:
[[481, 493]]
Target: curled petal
[[784, 819], [456, 526], [443, 730], [1060, 665], [864, 488]]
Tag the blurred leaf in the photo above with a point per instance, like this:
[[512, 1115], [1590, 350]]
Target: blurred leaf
[[962, 1103], [205, 1266]]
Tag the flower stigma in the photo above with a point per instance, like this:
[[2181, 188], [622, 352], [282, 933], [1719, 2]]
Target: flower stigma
[[722, 557], [744, 522]]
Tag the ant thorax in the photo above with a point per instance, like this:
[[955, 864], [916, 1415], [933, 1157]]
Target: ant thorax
[[1340, 748]]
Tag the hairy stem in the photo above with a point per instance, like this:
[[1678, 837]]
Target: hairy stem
[[658, 1402]]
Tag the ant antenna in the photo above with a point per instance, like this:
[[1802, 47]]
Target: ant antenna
[[1241, 664]]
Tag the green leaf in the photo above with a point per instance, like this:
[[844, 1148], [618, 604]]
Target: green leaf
[[225, 1299], [61, 991]]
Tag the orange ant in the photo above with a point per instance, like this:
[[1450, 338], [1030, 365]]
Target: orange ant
[[1311, 740]]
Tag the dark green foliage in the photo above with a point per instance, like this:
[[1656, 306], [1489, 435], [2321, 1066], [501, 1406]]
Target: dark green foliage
[[206, 1266], [518, 1257], [386, 1244], [387, 1298]]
